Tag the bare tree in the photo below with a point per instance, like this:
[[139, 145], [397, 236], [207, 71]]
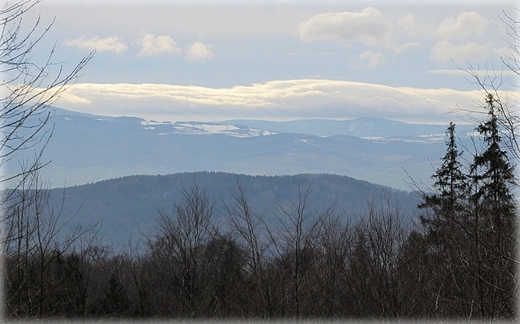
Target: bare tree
[[505, 108], [491, 83], [334, 244], [27, 90], [294, 247], [37, 240], [179, 250], [250, 228], [373, 260], [510, 120]]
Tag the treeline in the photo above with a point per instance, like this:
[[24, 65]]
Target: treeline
[[456, 260], [137, 198], [308, 263]]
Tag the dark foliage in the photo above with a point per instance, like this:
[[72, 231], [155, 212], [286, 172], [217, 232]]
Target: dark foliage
[[219, 256]]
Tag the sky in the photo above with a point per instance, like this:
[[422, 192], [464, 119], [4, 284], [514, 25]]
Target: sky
[[277, 60]]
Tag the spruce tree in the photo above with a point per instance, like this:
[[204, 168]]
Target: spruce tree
[[493, 221], [116, 301], [446, 233], [493, 177], [448, 202]]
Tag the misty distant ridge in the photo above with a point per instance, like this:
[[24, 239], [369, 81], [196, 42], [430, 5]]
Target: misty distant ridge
[[364, 127], [86, 148]]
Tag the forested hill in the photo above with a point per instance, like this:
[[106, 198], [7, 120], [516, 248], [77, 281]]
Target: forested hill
[[130, 204]]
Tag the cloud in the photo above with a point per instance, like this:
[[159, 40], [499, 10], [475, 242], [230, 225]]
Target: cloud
[[108, 44], [414, 27], [400, 48], [445, 51], [506, 52], [273, 100], [374, 59], [198, 52], [465, 25], [154, 45], [367, 26]]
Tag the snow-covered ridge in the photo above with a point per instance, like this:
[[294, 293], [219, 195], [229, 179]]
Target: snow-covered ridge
[[429, 138], [202, 128], [374, 130]]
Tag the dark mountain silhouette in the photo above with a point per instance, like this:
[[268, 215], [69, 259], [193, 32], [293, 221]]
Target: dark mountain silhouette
[[125, 206]]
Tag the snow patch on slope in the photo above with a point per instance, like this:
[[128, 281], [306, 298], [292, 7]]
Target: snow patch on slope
[[201, 128]]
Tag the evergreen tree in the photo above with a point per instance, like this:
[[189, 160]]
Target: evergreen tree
[[446, 232], [470, 227], [449, 202], [492, 176], [116, 301], [493, 220]]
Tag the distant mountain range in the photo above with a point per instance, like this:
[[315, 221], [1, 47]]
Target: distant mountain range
[[121, 170], [365, 127], [87, 148]]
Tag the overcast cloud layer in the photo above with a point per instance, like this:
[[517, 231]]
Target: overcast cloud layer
[[276, 100], [216, 60]]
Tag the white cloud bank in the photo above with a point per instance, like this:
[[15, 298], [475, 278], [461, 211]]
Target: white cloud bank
[[108, 44], [199, 51], [413, 26], [367, 26], [459, 38], [445, 52], [152, 44], [374, 59], [466, 24], [274, 100]]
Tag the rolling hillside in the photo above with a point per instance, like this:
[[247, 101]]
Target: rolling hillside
[[125, 206]]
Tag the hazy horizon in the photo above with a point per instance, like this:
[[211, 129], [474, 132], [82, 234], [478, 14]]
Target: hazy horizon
[[277, 60]]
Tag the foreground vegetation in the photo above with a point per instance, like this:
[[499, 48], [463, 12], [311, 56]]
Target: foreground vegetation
[[456, 261]]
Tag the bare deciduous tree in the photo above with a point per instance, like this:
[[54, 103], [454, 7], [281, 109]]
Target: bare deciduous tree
[[27, 90], [491, 83], [294, 247], [36, 239], [179, 249], [373, 260], [31, 231], [249, 229]]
